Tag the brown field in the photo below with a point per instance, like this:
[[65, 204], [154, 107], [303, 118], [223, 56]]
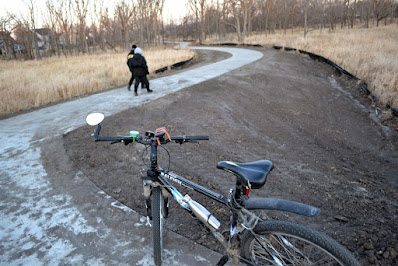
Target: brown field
[[371, 54], [28, 84]]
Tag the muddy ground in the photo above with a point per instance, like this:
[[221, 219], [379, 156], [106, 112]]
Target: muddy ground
[[328, 147]]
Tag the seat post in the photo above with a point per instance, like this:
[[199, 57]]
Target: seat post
[[238, 189]]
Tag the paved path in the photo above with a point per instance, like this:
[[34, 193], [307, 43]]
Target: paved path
[[45, 220]]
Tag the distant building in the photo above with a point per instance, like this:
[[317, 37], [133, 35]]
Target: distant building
[[43, 37], [5, 41]]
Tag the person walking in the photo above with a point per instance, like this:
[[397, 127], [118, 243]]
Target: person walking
[[140, 70], [130, 57]]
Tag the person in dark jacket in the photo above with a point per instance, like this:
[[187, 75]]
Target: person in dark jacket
[[129, 57], [140, 70]]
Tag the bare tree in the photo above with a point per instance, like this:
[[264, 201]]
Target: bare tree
[[32, 27], [305, 18], [5, 36], [81, 9], [51, 21], [24, 30], [155, 19], [125, 12], [234, 9], [149, 20], [240, 11], [221, 16], [64, 20], [267, 7], [353, 11], [198, 7], [246, 7], [100, 14], [381, 9]]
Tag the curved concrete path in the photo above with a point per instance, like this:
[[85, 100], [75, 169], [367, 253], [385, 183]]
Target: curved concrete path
[[45, 220]]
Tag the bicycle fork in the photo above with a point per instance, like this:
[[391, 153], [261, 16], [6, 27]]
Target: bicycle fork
[[147, 186]]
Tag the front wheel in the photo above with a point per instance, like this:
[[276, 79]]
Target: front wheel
[[157, 224], [286, 243]]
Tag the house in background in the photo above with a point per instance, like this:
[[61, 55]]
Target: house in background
[[6, 41], [43, 38]]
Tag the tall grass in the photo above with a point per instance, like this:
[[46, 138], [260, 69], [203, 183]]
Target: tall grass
[[28, 84], [371, 54]]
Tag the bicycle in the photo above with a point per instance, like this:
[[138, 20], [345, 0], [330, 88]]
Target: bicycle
[[252, 239]]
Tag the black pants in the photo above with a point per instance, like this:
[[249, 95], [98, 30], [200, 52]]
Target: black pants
[[144, 83], [131, 80]]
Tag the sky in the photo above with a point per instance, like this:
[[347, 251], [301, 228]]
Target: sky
[[174, 9]]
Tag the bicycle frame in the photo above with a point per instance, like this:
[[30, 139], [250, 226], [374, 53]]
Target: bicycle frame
[[160, 177], [191, 185]]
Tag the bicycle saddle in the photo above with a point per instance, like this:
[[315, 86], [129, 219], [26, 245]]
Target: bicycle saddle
[[255, 172]]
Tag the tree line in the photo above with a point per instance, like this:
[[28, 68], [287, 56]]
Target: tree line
[[76, 26], [245, 17], [81, 26]]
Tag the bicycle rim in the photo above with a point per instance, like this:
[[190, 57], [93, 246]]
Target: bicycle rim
[[285, 243], [157, 225]]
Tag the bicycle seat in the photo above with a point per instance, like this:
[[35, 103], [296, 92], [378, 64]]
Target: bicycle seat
[[255, 172]]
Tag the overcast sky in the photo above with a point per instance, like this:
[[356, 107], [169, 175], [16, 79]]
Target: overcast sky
[[173, 8]]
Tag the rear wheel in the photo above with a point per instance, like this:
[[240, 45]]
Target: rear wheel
[[157, 224], [285, 243]]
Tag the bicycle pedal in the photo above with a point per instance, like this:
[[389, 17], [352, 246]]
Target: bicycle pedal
[[223, 260]]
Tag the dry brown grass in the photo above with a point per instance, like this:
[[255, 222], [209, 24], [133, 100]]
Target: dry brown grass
[[370, 54], [28, 84]]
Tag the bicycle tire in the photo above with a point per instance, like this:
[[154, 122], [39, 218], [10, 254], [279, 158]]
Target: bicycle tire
[[287, 243], [157, 225]]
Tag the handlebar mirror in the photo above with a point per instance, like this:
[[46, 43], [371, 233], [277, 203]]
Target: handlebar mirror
[[94, 119]]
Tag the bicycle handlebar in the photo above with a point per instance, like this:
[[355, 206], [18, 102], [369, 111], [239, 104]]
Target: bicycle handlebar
[[129, 139]]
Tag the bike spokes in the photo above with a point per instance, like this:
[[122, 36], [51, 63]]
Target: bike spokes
[[277, 249]]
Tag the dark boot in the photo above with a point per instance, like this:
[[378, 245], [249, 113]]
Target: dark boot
[[135, 90]]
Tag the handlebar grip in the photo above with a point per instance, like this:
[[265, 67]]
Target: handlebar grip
[[106, 138], [188, 138], [203, 137]]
